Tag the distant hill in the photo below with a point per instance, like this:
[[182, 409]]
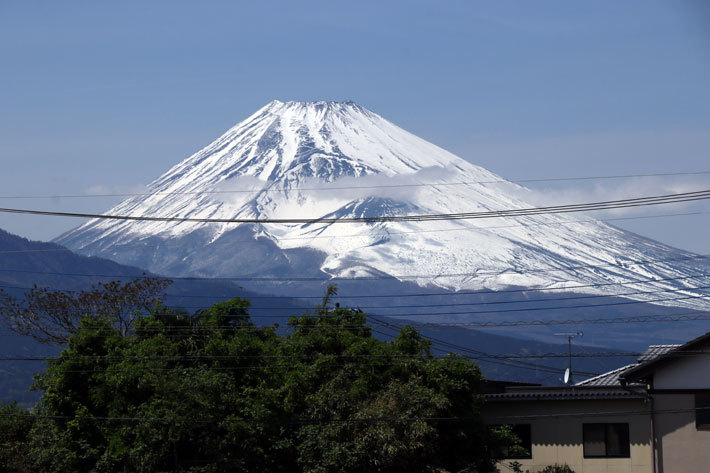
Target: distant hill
[[24, 263], [331, 164]]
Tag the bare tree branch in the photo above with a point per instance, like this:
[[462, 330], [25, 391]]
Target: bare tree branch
[[51, 317]]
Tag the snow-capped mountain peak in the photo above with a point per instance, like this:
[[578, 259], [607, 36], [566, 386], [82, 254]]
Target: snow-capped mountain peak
[[339, 159]]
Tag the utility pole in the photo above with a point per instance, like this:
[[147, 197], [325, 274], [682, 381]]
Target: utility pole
[[570, 335]]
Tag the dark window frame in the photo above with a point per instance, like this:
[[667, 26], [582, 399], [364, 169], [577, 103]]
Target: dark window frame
[[702, 411], [621, 431], [524, 433]]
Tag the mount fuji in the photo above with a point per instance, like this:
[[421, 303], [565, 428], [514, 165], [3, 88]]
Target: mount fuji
[[340, 160]]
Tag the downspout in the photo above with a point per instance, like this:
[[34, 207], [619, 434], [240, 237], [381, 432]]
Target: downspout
[[652, 421], [653, 431]]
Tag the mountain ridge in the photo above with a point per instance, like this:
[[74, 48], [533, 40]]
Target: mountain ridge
[[48, 265], [279, 163]]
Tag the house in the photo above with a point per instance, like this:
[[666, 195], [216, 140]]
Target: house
[[595, 427], [676, 380], [652, 416]]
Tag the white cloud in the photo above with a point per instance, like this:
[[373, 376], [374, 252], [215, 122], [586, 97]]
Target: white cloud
[[101, 189], [240, 189], [620, 189]]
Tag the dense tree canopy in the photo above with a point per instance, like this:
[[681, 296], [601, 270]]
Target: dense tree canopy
[[212, 392]]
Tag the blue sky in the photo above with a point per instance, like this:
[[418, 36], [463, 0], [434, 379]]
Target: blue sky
[[108, 95]]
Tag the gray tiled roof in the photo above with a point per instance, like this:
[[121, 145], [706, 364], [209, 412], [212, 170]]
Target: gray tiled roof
[[610, 378], [603, 386], [561, 393], [657, 355], [654, 351]]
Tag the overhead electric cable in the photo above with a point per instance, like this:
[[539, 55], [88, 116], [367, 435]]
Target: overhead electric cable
[[339, 188], [463, 349], [647, 318], [354, 358], [361, 420], [480, 303], [410, 314], [326, 357], [584, 321], [633, 282], [535, 309], [619, 264], [443, 230], [601, 205]]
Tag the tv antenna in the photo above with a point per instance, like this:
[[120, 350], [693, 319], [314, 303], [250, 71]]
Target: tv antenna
[[568, 372]]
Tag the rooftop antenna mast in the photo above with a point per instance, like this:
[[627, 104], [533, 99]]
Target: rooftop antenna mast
[[568, 372]]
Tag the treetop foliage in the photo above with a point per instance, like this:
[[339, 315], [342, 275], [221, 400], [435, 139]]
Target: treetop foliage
[[212, 392]]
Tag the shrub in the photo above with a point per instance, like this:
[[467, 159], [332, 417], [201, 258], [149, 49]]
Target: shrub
[[556, 468]]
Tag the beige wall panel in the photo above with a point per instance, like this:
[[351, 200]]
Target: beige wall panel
[[682, 448], [557, 437]]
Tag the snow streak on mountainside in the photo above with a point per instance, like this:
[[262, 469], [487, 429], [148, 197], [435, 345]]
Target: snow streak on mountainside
[[287, 159]]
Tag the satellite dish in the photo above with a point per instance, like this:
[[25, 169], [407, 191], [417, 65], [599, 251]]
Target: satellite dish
[[568, 375]]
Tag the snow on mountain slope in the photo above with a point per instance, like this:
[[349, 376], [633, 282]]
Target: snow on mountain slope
[[332, 159]]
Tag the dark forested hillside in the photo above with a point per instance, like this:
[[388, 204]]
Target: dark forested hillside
[[24, 263]]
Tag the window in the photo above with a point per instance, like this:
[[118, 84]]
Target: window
[[606, 440], [524, 448], [702, 411], [522, 431]]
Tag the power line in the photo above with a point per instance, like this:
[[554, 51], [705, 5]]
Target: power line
[[601, 205], [491, 358], [361, 420], [322, 357], [644, 318], [443, 230], [677, 317], [462, 349], [483, 355], [393, 315], [456, 304], [436, 344], [326, 357], [370, 296], [509, 361], [340, 188], [302, 421], [647, 318], [535, 309], [617, 264], [644, 412], [486, 303]]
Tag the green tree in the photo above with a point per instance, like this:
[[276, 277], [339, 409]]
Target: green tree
[[15, 426], [212, 392]]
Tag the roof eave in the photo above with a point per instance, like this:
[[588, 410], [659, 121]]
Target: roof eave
[[642, 372]]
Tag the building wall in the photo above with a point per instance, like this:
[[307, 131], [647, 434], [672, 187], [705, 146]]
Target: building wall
[[680, 446], [557, 433], [686, 373]]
